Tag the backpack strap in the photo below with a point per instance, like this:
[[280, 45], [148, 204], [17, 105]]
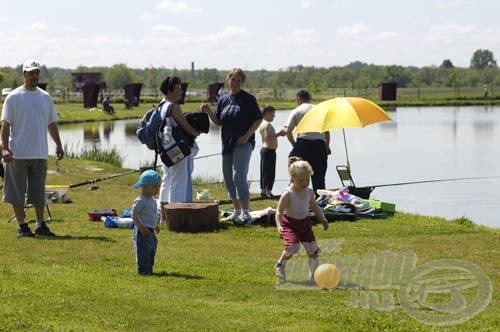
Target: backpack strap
[[167, 114]]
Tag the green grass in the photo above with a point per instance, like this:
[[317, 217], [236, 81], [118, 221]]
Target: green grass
[[85, 278], [107, 156], [75, 112]]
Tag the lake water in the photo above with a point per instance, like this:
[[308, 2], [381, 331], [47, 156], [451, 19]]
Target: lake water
[[420, 144]]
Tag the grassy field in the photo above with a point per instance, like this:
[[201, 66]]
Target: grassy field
[[75, 112], [85, 279]]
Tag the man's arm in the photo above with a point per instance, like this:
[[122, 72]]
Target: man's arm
[[54, 133], [327, 137], [289, 135], [6, 153]]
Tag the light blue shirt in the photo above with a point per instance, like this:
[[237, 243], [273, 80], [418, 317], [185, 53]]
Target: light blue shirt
[[147, 209]]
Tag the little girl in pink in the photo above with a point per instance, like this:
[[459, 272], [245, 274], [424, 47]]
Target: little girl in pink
[[292, 218]]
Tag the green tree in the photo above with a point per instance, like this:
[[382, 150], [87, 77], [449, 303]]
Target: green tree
[[399, 74], [482, 59], [118, 76], [447, 64]]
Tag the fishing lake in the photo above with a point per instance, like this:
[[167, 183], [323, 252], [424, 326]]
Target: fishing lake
[[420, 144]]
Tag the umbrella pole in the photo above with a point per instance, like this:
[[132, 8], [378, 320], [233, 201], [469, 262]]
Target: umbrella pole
[[346, 155]]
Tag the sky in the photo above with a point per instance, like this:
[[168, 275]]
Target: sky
[[253, 35]]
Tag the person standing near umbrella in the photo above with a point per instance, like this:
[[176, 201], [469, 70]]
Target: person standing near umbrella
[[314, 147], [239, 115], [268, 152]]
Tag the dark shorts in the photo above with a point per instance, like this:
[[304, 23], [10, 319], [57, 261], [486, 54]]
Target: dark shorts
[[297, 231], [24, 180]]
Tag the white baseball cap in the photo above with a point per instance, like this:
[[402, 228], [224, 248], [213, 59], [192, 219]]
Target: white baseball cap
[[31, 65]]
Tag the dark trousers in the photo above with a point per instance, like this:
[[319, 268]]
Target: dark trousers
[[314, 152], [267, 168]]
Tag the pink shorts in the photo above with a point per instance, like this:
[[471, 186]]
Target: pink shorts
[[297, 231]]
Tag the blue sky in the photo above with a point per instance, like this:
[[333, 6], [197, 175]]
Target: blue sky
[[272, 34]]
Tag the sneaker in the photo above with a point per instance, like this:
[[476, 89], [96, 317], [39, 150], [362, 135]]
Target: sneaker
[[268, 195], [272, 196], [244, 219], [235, 218], [280, 271], [25, 231], [43, 230]]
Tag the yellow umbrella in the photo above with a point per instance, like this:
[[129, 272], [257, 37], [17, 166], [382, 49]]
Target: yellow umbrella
[[341, 113]]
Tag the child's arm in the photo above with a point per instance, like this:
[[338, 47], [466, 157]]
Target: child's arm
[[157, 228], [144, 230], [280, 209], [271, 132], [318, 212]]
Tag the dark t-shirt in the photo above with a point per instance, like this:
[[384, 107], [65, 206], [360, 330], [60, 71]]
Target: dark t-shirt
[[237, 113]]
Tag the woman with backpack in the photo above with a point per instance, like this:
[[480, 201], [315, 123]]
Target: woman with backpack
[[177, 185]]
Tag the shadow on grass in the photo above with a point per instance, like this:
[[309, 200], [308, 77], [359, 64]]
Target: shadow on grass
[[176, 275]]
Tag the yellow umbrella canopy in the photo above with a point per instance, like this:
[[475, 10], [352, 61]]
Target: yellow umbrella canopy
[[340, 113]]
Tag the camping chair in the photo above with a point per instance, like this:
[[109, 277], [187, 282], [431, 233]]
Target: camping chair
[[29, 206], [347, 181]]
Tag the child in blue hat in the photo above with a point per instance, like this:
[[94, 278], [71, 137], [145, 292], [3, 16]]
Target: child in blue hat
[[146, 219]]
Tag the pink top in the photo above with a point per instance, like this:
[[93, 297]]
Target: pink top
[[298, 208]]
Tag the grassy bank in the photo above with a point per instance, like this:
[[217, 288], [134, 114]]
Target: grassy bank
[[85, 279], [75, 112]]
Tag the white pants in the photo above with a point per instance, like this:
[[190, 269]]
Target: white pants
[[177, 185]]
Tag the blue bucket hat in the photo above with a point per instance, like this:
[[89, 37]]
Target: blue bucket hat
[[148, 177]]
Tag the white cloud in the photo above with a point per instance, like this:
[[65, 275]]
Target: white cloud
[[388, 35], [296, 36], [357, 29], [148, 16], [449, 4], [228, 32], [450, 31], [302, 33], [36, 26], [305, 4], [178, 7], [168, 29]]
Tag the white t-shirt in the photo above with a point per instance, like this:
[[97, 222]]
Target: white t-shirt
[[29, 113], [298, 208], [297, 115]]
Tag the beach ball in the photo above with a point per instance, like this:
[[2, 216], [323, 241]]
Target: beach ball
[[327, 276]]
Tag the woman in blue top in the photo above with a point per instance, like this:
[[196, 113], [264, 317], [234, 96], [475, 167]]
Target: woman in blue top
[[238, 113]]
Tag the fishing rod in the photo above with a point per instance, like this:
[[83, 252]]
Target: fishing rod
[[208, 155], [249, 181], [103, 178], [229, 201], [436, 180]]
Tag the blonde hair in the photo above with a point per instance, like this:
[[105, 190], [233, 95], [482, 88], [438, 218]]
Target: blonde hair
[[299, 167], [236, 71], [293, 159]]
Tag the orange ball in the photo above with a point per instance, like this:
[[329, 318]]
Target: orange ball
[[327, 276]]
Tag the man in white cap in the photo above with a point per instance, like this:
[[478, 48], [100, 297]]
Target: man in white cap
[[28, 113]]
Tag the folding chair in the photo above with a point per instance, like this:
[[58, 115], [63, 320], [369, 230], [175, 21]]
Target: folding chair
[[348, 182], [29, 206], [26, 206]]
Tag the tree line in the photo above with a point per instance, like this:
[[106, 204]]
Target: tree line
[[483, 70]]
